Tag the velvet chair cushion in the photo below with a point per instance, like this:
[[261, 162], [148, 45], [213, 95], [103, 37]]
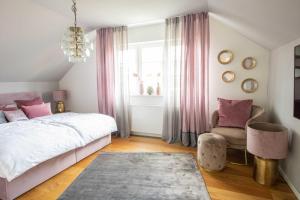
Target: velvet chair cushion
[[235, 137], [234, 113]]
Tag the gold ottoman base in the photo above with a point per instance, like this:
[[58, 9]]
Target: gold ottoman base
[[265, 171]]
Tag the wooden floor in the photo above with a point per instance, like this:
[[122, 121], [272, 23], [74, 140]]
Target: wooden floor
[[233, 183]]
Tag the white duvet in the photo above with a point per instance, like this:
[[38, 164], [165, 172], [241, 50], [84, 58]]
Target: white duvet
[[25, 144]]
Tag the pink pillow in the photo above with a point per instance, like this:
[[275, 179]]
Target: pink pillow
[[234, 113], [37, 110], [15, 115], [8, 107], [35, 101]]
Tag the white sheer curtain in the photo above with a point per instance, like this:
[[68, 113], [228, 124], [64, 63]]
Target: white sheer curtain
[[121, 81], [171, 73]]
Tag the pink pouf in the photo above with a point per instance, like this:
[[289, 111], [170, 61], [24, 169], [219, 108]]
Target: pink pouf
[[212, 151]]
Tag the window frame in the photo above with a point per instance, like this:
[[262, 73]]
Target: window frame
[[138, 46]]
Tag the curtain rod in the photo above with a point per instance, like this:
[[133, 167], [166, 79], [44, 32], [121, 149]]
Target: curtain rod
[[159, 21]]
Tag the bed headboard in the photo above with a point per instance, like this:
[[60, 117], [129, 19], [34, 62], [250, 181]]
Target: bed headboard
[[9, 98]]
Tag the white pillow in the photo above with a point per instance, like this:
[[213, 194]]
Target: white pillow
[[2, 118], [15, 115]]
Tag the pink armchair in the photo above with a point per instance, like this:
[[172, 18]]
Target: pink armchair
[[236, 137]]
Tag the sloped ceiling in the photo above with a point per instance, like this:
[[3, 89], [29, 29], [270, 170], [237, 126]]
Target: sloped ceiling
[[31, 30], [29, 41], [270, 23]]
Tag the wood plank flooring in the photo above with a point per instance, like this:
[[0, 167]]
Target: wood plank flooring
[[233, 183]]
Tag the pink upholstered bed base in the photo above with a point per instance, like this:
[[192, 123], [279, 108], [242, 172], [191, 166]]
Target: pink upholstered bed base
[[47, 169]]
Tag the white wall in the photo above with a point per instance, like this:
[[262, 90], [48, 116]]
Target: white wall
[[147, 114], [223, 37], [281, 107], [44, 88], [146, 33], [81, 85]]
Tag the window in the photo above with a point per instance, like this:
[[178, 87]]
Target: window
[[145, 62]]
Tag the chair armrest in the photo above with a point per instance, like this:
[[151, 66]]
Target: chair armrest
[[214, 119], [254, 117]]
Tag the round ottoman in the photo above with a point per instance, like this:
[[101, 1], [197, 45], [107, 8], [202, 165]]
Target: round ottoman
[[212, 151]]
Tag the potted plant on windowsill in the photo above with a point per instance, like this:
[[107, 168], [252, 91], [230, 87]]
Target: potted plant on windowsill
[[150, 90]]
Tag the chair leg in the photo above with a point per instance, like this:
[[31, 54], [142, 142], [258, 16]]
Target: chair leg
[[246, 157]]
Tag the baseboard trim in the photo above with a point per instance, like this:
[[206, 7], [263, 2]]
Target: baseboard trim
[[146, 134], [287, 180]]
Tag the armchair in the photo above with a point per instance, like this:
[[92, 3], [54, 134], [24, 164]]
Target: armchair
[[236, 137]]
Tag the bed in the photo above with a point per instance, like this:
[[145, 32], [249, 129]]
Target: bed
[[35, 150]]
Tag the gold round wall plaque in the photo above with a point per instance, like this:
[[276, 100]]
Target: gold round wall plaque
[[249, 63], [225, 57], [249, 85], [228, 76]]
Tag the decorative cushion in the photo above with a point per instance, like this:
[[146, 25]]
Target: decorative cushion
[[37, 110], [211, 152], [2, 118], [35, 101], [235, 137], [234, 113], [8, 107], [15, 115]]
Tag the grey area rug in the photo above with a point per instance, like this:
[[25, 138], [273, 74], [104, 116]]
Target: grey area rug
[[139, 176]]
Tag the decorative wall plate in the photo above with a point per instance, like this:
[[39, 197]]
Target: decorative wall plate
[[228, 76], [249, 63], [249, 85], [225, 57]]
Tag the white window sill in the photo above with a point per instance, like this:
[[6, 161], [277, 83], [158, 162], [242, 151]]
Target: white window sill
[[146, 106], [146, 96]]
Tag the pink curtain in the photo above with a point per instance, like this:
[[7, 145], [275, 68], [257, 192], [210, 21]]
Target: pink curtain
[[105, 71], [194, 77], [113, 76]]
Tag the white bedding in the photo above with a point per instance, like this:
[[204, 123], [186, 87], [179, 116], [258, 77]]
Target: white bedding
[[89, 126], [25, 144]]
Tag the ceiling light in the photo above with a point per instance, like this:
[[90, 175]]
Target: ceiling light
[[75, 44]]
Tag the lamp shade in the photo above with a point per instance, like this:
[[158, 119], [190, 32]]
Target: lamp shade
[[267, 140], [59, 95]]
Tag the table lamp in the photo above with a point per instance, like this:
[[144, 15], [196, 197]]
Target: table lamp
[[59, 96]]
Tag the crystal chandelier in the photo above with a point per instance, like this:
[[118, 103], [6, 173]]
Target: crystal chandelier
[[75, 44]]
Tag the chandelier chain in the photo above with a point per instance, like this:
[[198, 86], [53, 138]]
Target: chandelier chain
[[74, 10]]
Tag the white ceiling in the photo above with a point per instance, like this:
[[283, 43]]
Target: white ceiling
[[99, 13], [31, 29]]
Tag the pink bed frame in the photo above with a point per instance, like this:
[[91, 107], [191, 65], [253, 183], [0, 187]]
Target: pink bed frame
[[49, 168]]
